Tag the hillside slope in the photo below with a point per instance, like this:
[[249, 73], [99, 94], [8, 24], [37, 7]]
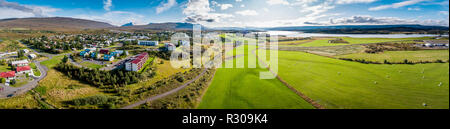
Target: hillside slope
[[52, 23]]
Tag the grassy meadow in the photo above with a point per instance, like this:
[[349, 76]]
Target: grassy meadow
[[25, 101], [339, 84], [241, 88], [324, 42], [91, 65], [400, 56]]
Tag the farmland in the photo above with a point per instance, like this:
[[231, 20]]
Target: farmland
[[324, 42], [400, 56], [341, 84], [234, 88]]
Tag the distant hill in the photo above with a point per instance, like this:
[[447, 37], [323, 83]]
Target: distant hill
[[53, 23], [128, 24], [160, 26], [364, 29]]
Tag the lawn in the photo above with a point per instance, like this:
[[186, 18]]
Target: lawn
[[400, 56], [163, 70], [91, 65], [20, 82], [35, 69], [339, 84], [5, 68], [234, 88], [53, 62]]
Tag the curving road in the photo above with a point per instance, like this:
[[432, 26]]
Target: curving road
[[8, 91], [176, 89], [166, 93]]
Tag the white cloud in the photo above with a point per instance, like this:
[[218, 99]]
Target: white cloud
[[225, 6], [276, 2], [199, 11], [354, 1], [16, 10], [396, 5], [316, 10], [247, 13], [107, 5], [238, 0], [414, 9], [166, 6], [369, 20]]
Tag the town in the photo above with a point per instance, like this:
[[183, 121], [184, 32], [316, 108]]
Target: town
[[113, 51]]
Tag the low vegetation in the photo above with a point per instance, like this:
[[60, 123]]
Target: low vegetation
[[400, 57], [350, 85], [187, 98]]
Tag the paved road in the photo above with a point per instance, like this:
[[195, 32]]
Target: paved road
[[166, 93], [13, 91], [176, 89]]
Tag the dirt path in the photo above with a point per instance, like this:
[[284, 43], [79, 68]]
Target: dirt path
[[306, 98]]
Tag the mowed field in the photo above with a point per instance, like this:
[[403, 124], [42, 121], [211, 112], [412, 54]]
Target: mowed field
[[338, 84], [400, 56], [324, 42], [241, 88]]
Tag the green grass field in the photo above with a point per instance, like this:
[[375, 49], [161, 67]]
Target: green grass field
[[341, 84], [400, 56], [324, 42], [91, 65], [35, 69], [53, 62], [234, 88], [5, 68]]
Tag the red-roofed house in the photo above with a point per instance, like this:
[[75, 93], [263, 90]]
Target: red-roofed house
[[137, 63], [104, 51], [8, 75], [23, 70]]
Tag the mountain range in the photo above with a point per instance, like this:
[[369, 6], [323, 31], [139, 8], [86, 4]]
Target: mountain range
[[73, 24]]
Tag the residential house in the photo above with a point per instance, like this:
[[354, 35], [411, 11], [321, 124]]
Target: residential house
[[170, 46], [20, 63], [32, 56], [108, 57], [148, 43], [84, 54], [137, 63], [24, 70], [104, 51], [8, 75], [25, 51]]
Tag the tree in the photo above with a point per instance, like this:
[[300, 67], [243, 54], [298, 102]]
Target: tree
[[65, 59], [12, 82], [20, 54], [2, 80]]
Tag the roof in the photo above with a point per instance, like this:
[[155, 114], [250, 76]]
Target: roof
[[24, 68], [8, 74], [33, 55], [136, 61], [20, 62], [104, 50]]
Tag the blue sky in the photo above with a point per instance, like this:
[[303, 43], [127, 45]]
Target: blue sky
[[237, 13]]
